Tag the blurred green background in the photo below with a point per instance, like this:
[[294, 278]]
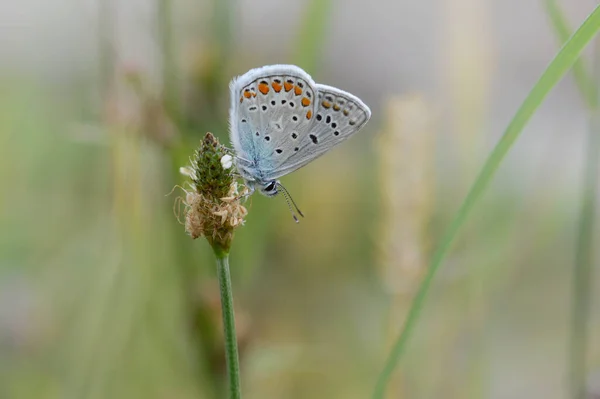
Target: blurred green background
[[102, 295]]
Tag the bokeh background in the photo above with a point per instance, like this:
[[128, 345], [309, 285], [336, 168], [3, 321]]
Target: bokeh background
[[102, 295]]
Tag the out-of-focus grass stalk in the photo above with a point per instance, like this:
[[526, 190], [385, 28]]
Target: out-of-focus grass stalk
[[406, 150], [222, 46], [312, 31], [90, 373], [466, 75], [222, 27], [582, 271], [466, 69], [557, 68], [211, 71], [582, 274], [106, 50], [169, 73]]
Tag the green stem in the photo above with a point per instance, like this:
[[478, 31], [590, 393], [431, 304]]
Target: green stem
[[231, 350], [582, 272]]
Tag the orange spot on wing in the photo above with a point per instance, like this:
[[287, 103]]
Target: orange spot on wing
[[297, 90], [309, 114], [305, 102], [336, 107], [247, 94], [263, 88], [287, 86], [326, 104], [241, 99], [253, 94], [346, 112], [276, 87]]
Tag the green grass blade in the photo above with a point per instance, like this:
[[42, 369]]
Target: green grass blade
[[559, 66], [584, 80]]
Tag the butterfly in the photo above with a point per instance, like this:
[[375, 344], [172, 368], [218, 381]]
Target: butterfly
[[280, 120]]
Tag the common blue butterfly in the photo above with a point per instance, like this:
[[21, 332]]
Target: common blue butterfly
[[280, 120]]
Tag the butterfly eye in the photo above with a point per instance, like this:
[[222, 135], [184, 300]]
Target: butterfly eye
[[270, 186]]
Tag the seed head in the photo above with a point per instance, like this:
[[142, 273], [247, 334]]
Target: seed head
[[213, 205]]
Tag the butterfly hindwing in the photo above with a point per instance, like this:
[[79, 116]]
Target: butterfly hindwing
[[338, 116], [272, 108]]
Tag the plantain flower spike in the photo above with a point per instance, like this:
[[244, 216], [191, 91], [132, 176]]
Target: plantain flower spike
[[213, 207]]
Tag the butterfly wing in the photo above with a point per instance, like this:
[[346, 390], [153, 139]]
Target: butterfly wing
[[339, 115], [271, 108]]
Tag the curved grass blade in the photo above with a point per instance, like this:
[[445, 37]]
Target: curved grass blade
[[584, 80], [559, 66]]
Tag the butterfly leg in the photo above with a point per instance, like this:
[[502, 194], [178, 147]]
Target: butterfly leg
[[231, 152], [241, 159], [250, 186]]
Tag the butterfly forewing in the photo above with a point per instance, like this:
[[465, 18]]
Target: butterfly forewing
[[272, 109], [338, 115]]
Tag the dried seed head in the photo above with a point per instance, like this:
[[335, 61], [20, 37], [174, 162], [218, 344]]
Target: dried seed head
[[213, 206]]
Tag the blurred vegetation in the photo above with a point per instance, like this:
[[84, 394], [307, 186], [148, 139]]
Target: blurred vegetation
[[560, 65], [102, 295]]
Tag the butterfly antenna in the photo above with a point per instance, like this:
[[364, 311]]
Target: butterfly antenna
[[290, 206], [289, 198]]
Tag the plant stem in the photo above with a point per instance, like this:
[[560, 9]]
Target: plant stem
[[231, 350], [582, 272]]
